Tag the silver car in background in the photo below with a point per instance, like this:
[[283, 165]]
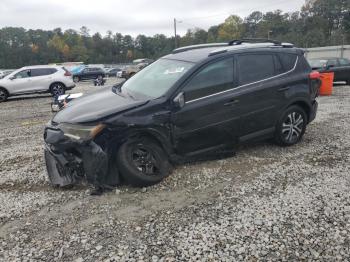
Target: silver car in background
[[36, 79]]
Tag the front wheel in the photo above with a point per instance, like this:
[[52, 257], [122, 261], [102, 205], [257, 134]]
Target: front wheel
[[291, 126], [142, 162]]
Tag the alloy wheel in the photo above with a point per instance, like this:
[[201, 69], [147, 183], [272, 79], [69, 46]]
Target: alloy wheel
[[57, 90], [144, 160], [292, 127]]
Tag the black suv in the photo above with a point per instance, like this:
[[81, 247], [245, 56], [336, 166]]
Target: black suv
[[89, 73], [197, 100]]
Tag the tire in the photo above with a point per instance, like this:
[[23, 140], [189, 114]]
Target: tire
[[57, 89], [3, 95], [291, 126], [348, 82], [142, 162], [76, 79]]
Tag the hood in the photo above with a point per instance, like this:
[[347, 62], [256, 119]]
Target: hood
[[95, 106]]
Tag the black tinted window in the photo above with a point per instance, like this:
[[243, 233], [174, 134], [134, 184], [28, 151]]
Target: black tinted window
[[42, 71], [255, 67], [288, 61], [278, 65], [213, 78]]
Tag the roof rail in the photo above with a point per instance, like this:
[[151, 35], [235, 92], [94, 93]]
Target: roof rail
[[253, 40], [191, 47], [259, 40]]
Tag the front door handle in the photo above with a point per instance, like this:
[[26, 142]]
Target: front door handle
[[232, 102], [283, 89]]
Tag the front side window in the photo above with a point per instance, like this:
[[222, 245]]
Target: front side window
[[332, 62], [213, 78], [255, 67], [22, 74], [156, 79]]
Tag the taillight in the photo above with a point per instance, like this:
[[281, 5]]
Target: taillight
[[314, 75], [67, 73]]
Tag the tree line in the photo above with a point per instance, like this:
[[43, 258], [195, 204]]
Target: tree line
[[318, 23]]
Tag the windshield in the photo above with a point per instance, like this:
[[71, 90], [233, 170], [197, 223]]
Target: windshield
[[317, 63], [156, 79]]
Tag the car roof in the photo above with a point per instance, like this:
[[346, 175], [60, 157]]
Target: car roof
[[41, 66], [195, 55]]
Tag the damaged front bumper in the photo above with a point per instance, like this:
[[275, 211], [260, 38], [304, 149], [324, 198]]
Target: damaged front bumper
[[69, 162]]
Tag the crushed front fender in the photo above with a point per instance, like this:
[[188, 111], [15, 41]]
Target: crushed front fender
[[70, 162]]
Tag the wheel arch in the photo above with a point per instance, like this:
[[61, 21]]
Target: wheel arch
[[304, 104], [3, 88], [161, 139]]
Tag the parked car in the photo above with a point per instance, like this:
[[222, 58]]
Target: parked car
[[131, 70], [340, 67], [36, 79], [112, 72], [4, 73], [88, 73], [198, 99]]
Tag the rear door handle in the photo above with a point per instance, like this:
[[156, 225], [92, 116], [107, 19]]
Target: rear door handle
[[232, 102], [283, 89]]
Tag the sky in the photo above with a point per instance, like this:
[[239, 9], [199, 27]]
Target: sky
[[132, 17]]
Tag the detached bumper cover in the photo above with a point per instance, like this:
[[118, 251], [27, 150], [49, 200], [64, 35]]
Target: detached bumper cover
[[69, 162]]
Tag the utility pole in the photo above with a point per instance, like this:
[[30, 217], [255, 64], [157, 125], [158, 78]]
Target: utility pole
[[175, 32]]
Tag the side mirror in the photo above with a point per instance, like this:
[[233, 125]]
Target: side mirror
[[179, 100]]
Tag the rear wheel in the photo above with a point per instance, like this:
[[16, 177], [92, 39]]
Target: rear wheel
[[3, 95], [291, 126], [142, 162], [57, 89]]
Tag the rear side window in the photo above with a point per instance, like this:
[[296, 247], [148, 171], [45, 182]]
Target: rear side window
[[255, 67], [43, 71], [288, 61], [213, 78]]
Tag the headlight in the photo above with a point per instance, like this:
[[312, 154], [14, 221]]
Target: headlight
[[81, 132]]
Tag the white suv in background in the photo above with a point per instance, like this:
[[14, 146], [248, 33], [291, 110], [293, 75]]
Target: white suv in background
[[36, 79]]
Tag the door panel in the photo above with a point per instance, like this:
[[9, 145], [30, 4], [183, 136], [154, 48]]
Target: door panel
[[206, 123], [263, 93], [22, 82]]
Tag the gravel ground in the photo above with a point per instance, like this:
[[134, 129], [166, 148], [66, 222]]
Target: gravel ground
[[265, 203]]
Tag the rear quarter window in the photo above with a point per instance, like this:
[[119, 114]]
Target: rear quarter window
[[288, 61]]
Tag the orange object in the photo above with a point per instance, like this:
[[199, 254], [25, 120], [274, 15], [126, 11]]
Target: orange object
[[326, 88]]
